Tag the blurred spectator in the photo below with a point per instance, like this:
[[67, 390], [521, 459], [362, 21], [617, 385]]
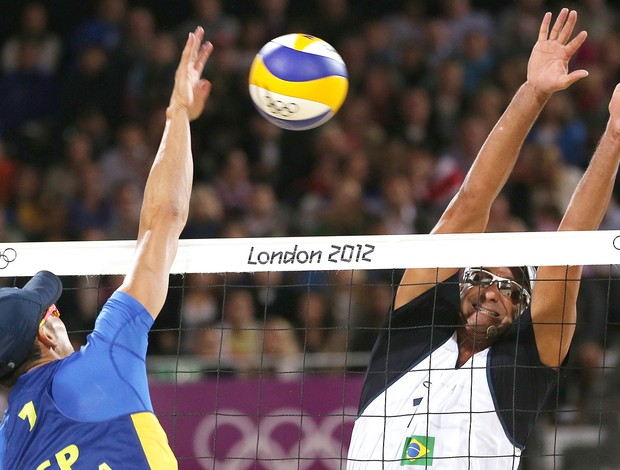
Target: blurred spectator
[[90, 208], [139, 35], [150, 79], [489, 102], [264, 147], [479, 60], [29, 91], [314, 321], [24, 209], [264, 216], [397, 211], [416, 120], [274, 14], [407, 24], [346, 211], [501, 218], [281, 352], [126, 204], [518, 26], [233, 184], [368, 321], [274, 296], [559, 124], [206, 213], [438, 41], [129, 159], [448, 95], [33, 26], [241, 332], [201, 307], [335, 20], [463, 18], [8, 170], [220, 28], [8, 232], [104, 29], [94, 83]]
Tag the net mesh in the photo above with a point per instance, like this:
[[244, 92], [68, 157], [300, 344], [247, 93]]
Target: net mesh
[[259, 355]]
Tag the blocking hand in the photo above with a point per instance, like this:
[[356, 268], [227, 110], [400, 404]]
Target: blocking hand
[[190, 91], [547, 69]]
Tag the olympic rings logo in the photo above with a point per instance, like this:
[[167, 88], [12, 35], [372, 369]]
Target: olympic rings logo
[[318, 439], [7, 257], [280, 108]]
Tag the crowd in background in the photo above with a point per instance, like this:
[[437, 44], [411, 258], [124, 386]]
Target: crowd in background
[[83, 95]]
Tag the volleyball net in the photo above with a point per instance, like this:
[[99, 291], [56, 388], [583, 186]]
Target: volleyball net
[[258, 357]]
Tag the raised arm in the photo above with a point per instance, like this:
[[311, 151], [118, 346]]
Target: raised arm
[[547, 73], [168, 187], [554, 310]]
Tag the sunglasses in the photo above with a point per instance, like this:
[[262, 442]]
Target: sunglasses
[[507, 287], [52, 310]]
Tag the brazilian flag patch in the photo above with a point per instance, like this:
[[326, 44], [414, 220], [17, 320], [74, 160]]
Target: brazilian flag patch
[[418, 450]]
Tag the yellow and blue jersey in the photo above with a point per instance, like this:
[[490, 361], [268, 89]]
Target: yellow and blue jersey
[[91, 410]]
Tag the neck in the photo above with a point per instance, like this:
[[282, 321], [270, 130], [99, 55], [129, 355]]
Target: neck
[[472, 341]]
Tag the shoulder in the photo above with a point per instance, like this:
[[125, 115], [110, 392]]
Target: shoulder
[[123, 308]]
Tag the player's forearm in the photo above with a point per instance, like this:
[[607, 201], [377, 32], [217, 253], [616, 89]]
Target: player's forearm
[[168, 188], [493, 164], [499, 152], [593, 193]]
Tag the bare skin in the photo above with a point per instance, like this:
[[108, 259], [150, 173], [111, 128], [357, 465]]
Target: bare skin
[[166, 199], [553, 303]]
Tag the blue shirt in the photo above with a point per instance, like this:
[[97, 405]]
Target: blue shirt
[[91, 410]]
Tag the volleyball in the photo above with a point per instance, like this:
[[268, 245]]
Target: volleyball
[[298, 81]]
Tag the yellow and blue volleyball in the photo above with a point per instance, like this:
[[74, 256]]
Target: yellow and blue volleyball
[[298, 81]]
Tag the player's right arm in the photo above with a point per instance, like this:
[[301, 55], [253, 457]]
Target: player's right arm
[[166, 196], [469, 210]]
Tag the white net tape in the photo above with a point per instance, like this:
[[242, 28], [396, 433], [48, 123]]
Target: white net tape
[[323, 253]]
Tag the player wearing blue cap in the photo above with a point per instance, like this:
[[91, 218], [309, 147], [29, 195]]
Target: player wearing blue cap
[[458, 376], [91, 409]]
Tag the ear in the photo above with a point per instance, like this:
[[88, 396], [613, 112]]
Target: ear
[[46, 338]]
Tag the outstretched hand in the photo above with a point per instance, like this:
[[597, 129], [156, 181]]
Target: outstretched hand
[[547, 69], [190, 91]]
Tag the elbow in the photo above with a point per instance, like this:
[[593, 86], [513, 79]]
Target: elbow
[[164, 217]]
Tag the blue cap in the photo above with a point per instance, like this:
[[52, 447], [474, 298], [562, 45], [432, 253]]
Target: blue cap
[[21, 311]]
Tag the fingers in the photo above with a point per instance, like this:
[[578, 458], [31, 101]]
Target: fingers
[[193, 52], [562, 28], [569, 26], [576, 43], [187, 55], [574, 76], [544, 27], [203, 56], [559, 24]]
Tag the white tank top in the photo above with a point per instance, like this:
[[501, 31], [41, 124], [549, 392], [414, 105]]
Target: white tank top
[[435, 416]]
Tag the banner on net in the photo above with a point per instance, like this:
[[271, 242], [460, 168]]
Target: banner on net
[[324, 253]]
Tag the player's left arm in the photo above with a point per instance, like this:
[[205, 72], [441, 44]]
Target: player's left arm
[[166, 197], [554, 310]]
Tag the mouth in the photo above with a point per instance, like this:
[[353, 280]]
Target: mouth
[[488, 312]]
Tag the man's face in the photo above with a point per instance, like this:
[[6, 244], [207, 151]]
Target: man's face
[[492, 302]]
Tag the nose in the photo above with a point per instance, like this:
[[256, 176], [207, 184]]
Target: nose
[[490, 292]]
